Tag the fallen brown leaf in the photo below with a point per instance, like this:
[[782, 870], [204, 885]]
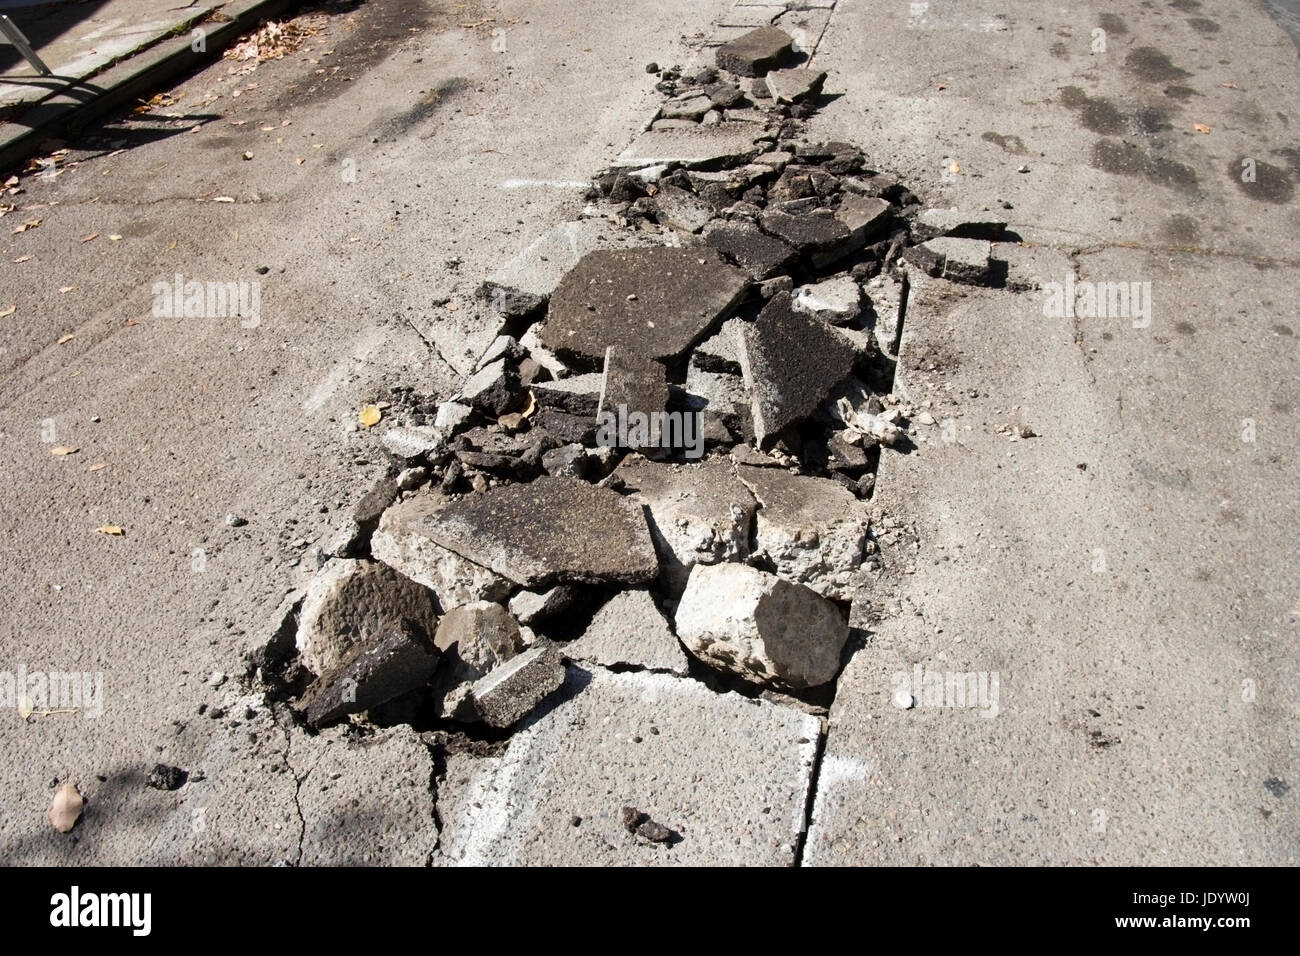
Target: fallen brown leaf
[[9, 311], [97, 467], [21, 259], [370, 416], [110, 529], [93, 235], [1200, 127], [64, 339], [66, 809], [65, 450], [29, 224]]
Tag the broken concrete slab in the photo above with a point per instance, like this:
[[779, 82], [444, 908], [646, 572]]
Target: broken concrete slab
[[554, 530], [760, 627], [511, 691], [395, 661], [541, 266], [451, 417], [576, 395], [402, 542], [473, 640], [865, 217], [886, 294], [655, 302], [720, 352], [743, 243], [348, 602], [807, 232], [631, 383], [629, 631], [933, 223], [547, 801], [837, 300], [790, 361], [678, 209], [493, 389], [531, 607], [724, 144], [412, 441], [689, 106], [698, 514], [755, 52], [791, 86], [812, 530], [960, 260]]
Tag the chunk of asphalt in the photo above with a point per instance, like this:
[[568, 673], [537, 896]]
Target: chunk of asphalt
[[837, 300], [576, 395], [660, 744], [513, 689], [509, 302], [755, 52], [353, 539], [551, 531], [866, 217], [681, 210], [391, 663], [961, 260], [725, 144], [402, 542], [808, 233], [698, 513], [348, 602], [538, 269], [739, 619], [493, 389], [531, 607], [689, 106], [629, 631], [791, 86], [790, 362], [655, 302], [813, 531], [932, 223], [750, 248], [567, 460], [631, 383]]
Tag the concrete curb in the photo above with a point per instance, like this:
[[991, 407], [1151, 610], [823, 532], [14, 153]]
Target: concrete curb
[[68, 112]]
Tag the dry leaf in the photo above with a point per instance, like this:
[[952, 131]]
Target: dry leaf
[[21, 259], [452, 306], [1228, 86], [65, 450], [93, 235], [97, 467], [114, 238], [301, 160], [65, 811], [943, 86], [9, 311], [1200, 127], [223, 198], [63, 340], [111, 529], [29, 224], [370, 416], [66, 288], [25, 707]]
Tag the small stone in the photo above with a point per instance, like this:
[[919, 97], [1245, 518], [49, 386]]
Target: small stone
[[451, 417], [408, 479], [837, 300], [508, 301], [236, 521], [164, 777], [412, 441], [531, 607], [568, 461], [652, 67]]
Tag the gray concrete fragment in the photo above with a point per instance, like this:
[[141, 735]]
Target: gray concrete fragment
[[750, 248], [720, 352], [932, 223], [727, 142], [576, 395], [513, 689], [837, 300], [761, 627], [886, 293], [451, 417], [698, 514], [348, 602], [678, 209], [655, 302], [493, 389], [551, 531], [402, 542], [541, 266], [629, 630], [961, 260], [690, 106], [864, 216], [735, 798], [791, 86], [412, 441], [790, 362], [813, 530], [567, 461], [530, 607], [755, 52], [390, 663]]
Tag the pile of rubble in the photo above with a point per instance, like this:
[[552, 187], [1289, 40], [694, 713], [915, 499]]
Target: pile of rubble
[[659, 463]]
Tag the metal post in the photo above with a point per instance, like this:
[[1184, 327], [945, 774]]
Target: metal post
[[10, 29]]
